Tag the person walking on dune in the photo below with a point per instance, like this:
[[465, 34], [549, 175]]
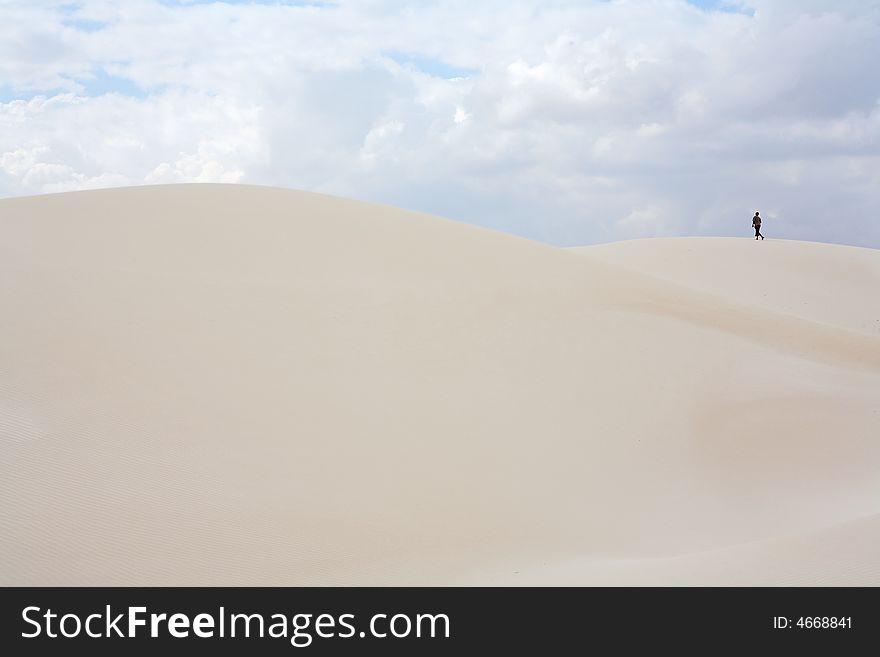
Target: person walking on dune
[[756, 224]]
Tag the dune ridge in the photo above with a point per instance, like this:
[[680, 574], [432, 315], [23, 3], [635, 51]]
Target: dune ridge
[[215, 384]]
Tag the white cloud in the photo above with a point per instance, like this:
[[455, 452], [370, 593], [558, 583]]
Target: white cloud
[[578, 121], [71, 142]]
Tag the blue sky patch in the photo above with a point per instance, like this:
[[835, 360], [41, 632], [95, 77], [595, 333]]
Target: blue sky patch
[[98, 84], [727, 6], [291, 3], [85, 24], [105, 83], [429, 65], [7, 94]]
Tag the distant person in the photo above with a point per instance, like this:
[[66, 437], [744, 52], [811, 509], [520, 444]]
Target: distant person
[[756, 224]]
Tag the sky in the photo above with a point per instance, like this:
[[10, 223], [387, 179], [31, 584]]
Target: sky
[[566, 121]]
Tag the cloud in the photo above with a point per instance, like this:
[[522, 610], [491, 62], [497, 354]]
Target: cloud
[[570, 122]]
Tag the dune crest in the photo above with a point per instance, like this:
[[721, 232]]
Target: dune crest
[[235, 385]]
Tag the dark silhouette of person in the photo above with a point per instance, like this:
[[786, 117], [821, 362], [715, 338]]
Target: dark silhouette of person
[[756, 224]]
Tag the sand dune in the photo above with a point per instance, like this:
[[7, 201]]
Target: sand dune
[[240, 385], [825, 283]]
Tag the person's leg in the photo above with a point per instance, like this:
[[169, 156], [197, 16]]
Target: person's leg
[[757, 232]]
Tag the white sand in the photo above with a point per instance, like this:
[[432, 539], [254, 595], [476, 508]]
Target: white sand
[[241, 385]]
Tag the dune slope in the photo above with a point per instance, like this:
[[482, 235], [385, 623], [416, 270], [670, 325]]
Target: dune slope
[[235, 385]]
